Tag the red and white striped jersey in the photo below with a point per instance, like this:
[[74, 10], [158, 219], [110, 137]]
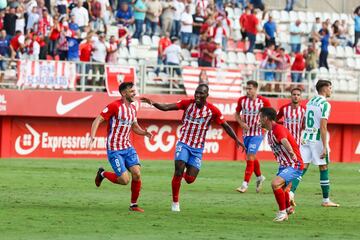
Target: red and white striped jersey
[[249, 110], [196, 122], [120, 118], [275, 135], [293, 119]]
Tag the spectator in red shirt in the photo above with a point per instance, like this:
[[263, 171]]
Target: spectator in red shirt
[[251, 25], [297, 68], [208, 53], [54, 36], [164, 42], [243, 20]]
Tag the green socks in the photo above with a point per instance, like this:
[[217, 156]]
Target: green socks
[[325, 183], [296, 181]]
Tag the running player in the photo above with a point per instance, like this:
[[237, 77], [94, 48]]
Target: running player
[[249, 107], [294, 115], [121, 117], [198, 114], [288, 156], [314, 141]]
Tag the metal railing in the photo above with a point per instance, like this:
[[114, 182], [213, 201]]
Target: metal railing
[[165, 79]]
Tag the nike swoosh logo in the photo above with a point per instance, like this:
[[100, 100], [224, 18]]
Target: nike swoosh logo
[[62, 109]]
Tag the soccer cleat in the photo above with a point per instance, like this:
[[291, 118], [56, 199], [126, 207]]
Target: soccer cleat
[[330, 204], [136, 208], [290, 210], [259, 183], [175, 207], [99, 178], [292, 199], [242, 189], [281, 216]]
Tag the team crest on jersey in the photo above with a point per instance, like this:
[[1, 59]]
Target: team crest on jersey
[[105, 110]]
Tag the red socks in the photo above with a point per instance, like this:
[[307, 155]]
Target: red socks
[[257, 170], [175, 184], [112, 177], [280, 198], [249, 170], [135, 190], [189, 179]]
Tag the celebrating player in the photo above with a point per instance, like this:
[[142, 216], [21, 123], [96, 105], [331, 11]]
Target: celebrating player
[[314, 142], [293, 114], [198, 114], [249, 107], [288, 156], [121, 117]]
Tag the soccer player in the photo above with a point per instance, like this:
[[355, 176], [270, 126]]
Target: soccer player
[[197, 116], [288, 156], [314, 141], [249, 107], [121, 117]]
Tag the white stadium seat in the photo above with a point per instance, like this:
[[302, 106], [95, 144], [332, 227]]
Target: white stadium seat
[[123, 52], [340, 52], [250, 58], [241, 58], [146, 40], [231, 57], [349, 51], [350, 63], [284, 16]]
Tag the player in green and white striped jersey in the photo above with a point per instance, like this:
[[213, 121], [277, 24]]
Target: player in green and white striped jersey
[[314, 141]]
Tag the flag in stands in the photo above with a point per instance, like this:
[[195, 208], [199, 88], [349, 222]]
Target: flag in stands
[[115, 75], [46, 74], [223, 83]]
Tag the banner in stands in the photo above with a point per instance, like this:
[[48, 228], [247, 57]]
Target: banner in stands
[[223, 83], [115, 75], [46, 74]]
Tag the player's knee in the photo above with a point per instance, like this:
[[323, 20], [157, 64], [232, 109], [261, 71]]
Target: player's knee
[[275, 185], [123, 180], [136, 176], [189, 179]]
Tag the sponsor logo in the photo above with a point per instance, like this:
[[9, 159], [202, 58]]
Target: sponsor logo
[[2, 103], [69, 145], [226, 108], [62, 108], [30, 141]]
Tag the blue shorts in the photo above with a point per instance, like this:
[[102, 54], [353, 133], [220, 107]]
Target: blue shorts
[[252, 144], [189, 155], [185, 38], [122, 160], [289, 173]]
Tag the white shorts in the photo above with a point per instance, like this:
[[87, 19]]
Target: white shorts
[[311, 151]]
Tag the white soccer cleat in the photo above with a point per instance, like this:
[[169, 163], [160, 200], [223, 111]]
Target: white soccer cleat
[[242, 189], [175, 207], [259, 182], [292, 199], [281, 216], [330, 204]]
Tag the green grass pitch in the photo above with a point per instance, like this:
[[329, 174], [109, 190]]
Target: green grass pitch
[[57, 199]]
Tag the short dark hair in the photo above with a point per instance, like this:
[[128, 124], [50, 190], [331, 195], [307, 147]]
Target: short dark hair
[[269, 112], [296, 89], [204, 85], [322, 83], [125, 85], [252, 82]]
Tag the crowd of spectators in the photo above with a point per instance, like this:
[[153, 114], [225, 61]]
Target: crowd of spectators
[[77, 30]]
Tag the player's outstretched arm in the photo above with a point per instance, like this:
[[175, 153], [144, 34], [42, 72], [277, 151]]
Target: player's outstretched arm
[[94, 127], [160, 106], [140, 131], [232, 134]]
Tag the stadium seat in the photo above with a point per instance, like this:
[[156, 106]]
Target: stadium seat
[[250, 58], [333, 73], [310, 17], [340, 52], [332, 51], [318, 14], [336, 85], [133, 62], [323, 73], [283, 27], [236, 25], [275, 15], [241, 58], [293, 16], [123, 52], [344, 16], [353, 84], [350, 62], [357, 65], [284, 16], [231, 57], [186, 54], [146, 40], [230, 12], [325, 16], [236, 35], [133, 53], [233, 66], [302, 16], [184, 63], [122, 62], [343, 85], [284, 37], [237, 13], [155, 41], [349, 52], [134, 42], [335, 16], [194, 64]]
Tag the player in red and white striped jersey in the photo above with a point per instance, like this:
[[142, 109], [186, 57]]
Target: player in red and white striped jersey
[[288, 156], [121, 117], [198, 114], [247, 115], [293, 114]]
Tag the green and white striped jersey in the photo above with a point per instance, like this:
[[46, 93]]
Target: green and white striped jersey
[[316, 109]]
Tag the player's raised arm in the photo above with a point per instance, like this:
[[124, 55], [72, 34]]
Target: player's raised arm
[[228, 129], [94, 127], [140, 131], [161, 106]]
